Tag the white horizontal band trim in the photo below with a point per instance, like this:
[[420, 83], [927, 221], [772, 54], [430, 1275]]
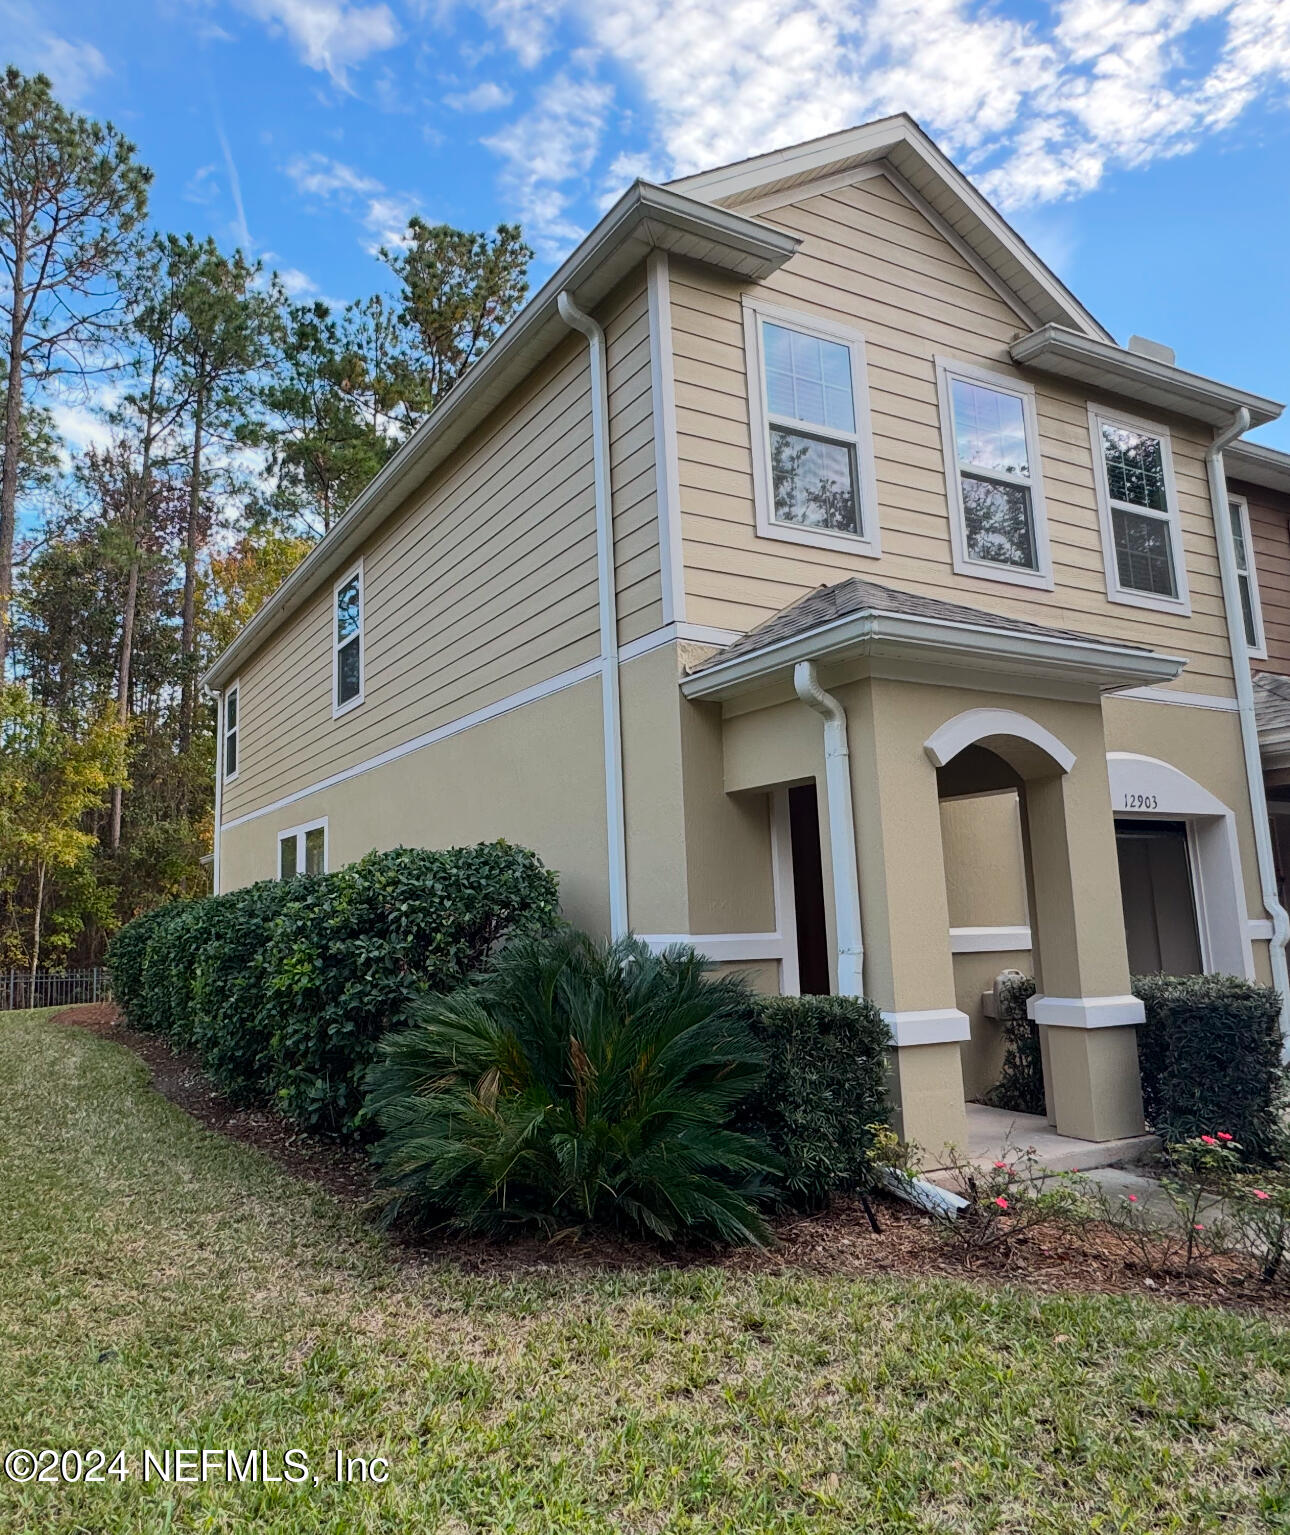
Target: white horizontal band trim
[[669, 634], [1086, 1012], [933, 1026], [988, 940], [556, 684], [1153, 695], [1259, 927], [721, 947]]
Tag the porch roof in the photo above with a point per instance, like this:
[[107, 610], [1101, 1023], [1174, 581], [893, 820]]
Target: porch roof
[[1272, 714], [856, 618]]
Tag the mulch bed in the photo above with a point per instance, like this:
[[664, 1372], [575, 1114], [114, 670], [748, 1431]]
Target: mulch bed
[[838, 1243]]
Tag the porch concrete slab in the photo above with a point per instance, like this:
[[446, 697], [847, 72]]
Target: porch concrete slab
[[992, 1131]]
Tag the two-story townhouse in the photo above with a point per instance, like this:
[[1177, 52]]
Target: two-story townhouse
[[806, 574]]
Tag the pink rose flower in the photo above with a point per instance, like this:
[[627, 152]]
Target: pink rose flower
[[1209, 1140], [1001, 1202], [1259, 1193], [1133, 1199], [1224, 1136]]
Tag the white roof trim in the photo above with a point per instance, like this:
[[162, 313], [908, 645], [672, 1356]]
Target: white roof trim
[[973, 725], [645, 218], [1254, 464], [1099, 364], [934, 177], [907, 636]]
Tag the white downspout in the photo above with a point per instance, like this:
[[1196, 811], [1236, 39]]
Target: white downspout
[[611, 708], [1245, 705], [218, 695], [842, 828]]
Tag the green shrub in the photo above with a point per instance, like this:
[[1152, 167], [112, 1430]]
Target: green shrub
[[1020, 1088], [125, 958], [283, 989], [1210, 1057], [576, 1084], [824, 1091]]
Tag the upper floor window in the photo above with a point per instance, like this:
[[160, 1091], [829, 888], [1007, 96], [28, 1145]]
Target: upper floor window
[[812, 449], [1251, 611], [302, 850], [998, 527], [232, 697], [347, 642], [1141, 529]]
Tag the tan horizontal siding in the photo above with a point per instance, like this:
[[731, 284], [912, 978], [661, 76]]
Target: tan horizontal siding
[[1270, 531], [482, 584], [869, 259]]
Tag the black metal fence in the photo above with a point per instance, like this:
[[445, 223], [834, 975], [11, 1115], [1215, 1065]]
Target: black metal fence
[[48, 988]]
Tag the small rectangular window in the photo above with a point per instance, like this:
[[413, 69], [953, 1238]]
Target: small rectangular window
[[998, 528], [1141, 528], [811, 441], [230, 732], [347, 642], [1243, 547], [302, 850]]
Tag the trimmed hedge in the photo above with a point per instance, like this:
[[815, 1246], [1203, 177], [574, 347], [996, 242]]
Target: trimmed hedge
[[1210, 1057], [1020, 1088], [824, 1090], [283, 989]]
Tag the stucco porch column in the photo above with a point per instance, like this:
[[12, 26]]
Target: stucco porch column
[[909, 968], [1086, 1013]]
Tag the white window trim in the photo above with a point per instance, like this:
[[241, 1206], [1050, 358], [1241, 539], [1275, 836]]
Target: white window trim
[[234, 687], [298, 832], [1259, 650], [337, 709], [947, 370], [868, 542], [1098, 416]]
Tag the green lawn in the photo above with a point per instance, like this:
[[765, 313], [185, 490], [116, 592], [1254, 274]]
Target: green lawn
[[163, 1288]]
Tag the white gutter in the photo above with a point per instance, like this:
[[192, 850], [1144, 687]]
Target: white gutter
[[1245, 705], [842, 828], [218, 695], [611, 707]]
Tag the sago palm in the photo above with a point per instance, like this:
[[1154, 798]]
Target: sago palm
[[577, 1084]]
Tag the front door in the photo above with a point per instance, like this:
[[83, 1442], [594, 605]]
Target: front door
[[1157, 894]]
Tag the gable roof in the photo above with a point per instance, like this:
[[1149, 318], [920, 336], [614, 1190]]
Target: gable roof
[[933, 178], [855, 617]]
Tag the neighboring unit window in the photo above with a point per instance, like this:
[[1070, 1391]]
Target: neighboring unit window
[[1251, 614], [302, 850], [1140, 524], [230, 732], [992, 468], [348, 616], [816, 458]]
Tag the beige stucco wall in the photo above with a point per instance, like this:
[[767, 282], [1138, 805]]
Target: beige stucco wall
[[534, 776], [871, 261]]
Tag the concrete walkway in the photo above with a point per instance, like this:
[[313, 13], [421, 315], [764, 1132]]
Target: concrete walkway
[[991, 1131]]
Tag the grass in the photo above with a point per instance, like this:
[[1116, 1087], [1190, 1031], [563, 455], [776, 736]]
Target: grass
[[161, 1287]]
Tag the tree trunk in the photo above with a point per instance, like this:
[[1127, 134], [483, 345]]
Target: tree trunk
[[123, 681], [12, 443], [35, 926], [188, 628]]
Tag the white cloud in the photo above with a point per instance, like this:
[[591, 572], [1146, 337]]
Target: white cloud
[[329, 35], [487, 96], [549, 151], [1039, 109], [73, 66], [382, 213]]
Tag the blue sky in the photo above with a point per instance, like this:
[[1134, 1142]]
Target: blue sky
[[1142, 146]]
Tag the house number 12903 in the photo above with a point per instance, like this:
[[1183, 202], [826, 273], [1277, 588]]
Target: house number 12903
[[1140, 802]]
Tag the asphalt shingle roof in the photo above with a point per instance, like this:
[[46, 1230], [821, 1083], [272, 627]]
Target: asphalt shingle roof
[[853, 596], [1271, 701]]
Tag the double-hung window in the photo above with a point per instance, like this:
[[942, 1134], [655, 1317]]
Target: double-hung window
[[812, 447], [998, 527], [302, 850], [347, 642], [232, 698], [1243, 545], [1138, 502]]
